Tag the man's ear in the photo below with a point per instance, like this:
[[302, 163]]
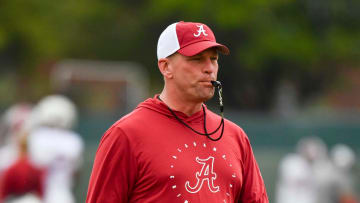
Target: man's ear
[[165, 68]]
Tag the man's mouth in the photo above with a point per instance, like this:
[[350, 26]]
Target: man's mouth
[[206, 83]]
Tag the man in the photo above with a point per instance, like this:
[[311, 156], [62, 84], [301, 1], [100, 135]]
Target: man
[[297, 182], [54, 146], [158, 152], [306, 176], [344, 188], [12, 127], [20, 180]]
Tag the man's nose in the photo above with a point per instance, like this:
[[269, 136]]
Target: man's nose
[[209, 66]]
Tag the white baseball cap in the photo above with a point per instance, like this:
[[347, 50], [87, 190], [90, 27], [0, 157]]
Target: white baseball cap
[[187, 38]]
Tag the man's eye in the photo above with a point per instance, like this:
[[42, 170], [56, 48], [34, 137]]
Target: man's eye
[[214, 58], [195, 59]]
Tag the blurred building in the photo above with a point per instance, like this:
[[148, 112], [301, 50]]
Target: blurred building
[[101, 86]]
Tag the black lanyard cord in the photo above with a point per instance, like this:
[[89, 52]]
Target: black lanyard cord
[[222, 124]]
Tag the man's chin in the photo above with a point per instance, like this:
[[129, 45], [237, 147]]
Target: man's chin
[[207, 97]]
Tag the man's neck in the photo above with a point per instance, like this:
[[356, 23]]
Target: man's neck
[[179, 103]]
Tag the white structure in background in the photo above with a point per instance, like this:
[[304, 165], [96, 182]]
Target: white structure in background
[[54, 146], [126, 79]]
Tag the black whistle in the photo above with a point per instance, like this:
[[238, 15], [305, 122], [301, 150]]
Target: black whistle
[[216, 83]]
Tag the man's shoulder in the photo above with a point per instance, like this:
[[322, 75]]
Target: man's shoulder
[[138, 119], [133, 125], [137, 114], [117, 129]]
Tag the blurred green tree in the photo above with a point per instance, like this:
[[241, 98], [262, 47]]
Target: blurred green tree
[[303, 41]]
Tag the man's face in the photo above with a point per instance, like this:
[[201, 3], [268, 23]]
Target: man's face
[[192, 74]]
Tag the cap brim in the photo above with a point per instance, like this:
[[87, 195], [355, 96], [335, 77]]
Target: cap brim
[[196, 48]]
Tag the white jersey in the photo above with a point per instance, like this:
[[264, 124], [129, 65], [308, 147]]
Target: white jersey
[[60, 152], [325, 177], [8, 155], [296, 181]]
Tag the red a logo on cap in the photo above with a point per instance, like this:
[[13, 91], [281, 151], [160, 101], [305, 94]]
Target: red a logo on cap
[[201, 30]]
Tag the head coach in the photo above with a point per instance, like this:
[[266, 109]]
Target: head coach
[[171, 148]]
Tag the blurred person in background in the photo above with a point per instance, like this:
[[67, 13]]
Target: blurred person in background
[[295, 179], [171, 148], [20, 180], [11, 128], [303, 175], [343, 158], [54, 146], [323, 171]]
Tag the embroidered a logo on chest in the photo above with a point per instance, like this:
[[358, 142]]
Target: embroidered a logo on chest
[[204, 175]]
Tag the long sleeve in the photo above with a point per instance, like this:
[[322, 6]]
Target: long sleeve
[[114, 172], [253, 188]]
